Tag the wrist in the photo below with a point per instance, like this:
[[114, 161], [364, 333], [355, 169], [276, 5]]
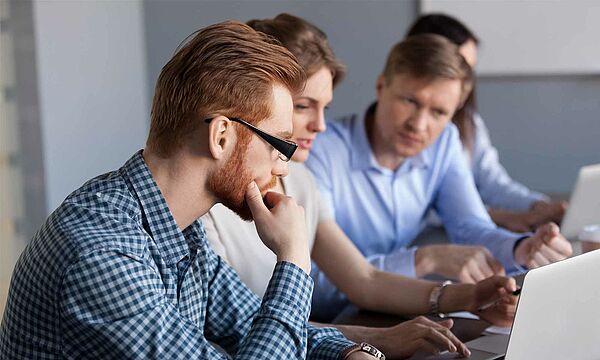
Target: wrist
[[297, 258], [537, 204], [363, 349], [457, 297], [499, 216], [520, 252]]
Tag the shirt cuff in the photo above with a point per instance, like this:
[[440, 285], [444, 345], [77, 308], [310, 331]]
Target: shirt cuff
[[289, 290], [326, 343], [506, 254], [401, 262], [518, 268]]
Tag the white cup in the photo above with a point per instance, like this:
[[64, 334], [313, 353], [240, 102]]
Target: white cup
[[590, 238]]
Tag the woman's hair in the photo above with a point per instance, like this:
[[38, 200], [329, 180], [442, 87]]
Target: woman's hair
[[306, 41], [459, 34]]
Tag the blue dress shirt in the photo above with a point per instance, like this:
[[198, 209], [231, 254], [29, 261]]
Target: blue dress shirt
[[111, 276], [382, 210]]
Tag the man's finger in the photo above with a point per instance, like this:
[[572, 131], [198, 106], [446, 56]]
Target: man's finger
[[509, 284], [465, 276], [255, 201], [443, 338], [447, 323], [445, 330], [549, 231], [483, 271], [551, 254], [496, 267], [562, 246], [540, 259], [272, 198]]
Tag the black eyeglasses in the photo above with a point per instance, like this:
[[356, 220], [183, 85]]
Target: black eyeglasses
[[286, 148]]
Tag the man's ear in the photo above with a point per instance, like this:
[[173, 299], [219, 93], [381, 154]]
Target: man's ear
[[379, 85], [221, 136]]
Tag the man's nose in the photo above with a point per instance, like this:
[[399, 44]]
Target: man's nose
[[418, 121], [280, 169]]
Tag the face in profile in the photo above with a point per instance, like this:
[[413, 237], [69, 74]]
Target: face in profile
[[255, 161], [413, 112], [309, 111]]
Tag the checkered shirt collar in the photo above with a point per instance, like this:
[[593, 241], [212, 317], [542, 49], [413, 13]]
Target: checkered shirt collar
[[157, 218]]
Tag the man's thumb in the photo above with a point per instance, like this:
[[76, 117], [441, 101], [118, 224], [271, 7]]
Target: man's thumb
[[254, 200]]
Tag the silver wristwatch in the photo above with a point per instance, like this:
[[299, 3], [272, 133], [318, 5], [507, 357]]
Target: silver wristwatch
[[364, 347], [434, 299]]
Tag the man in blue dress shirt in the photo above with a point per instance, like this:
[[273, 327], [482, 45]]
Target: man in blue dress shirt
[[381, 172], [122, 269]]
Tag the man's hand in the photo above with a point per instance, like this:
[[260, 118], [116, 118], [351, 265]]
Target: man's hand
[[548, 211], [459, 262], [546, 246], [407, 338], [282, 227], [492, 300], [513, 220], [539, 213]]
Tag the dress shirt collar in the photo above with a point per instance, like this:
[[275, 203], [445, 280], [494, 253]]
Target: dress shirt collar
[[362, 156], [156, 216]]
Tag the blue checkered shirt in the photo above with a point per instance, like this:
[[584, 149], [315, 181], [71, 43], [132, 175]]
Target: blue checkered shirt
[[110, 275]]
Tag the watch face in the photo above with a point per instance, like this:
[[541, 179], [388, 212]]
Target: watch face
[[372, 350]]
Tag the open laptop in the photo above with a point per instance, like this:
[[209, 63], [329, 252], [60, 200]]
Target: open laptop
[[558, 316], [584, 206]]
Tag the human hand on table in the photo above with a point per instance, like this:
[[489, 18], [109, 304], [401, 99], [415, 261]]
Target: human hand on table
[[553, 211], [544, 247], [458, 262], [417, 335], [538, 214], [493, 301]]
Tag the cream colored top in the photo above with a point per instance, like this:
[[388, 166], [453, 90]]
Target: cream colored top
[[237, 241]]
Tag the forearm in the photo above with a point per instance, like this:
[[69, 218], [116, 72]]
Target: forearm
[[397, 294]]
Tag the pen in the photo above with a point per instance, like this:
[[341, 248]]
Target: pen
[[487, 306]]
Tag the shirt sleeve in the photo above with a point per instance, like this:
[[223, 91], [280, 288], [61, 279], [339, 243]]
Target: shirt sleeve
[[401, 261], [114, 305], [496, 187], [286, 301], [463, 214]]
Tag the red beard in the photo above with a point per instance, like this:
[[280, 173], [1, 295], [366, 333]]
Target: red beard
[[230, 182]]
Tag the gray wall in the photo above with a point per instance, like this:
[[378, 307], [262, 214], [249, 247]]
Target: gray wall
[[545, 128], [360, 32], [92, 89], [542, 126]]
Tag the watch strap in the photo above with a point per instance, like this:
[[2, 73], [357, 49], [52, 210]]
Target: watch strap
[[364, 347]]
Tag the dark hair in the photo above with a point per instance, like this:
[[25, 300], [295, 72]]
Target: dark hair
[[429, 56], [459, 34], [443, 25], [306, 41], [227, 68]]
